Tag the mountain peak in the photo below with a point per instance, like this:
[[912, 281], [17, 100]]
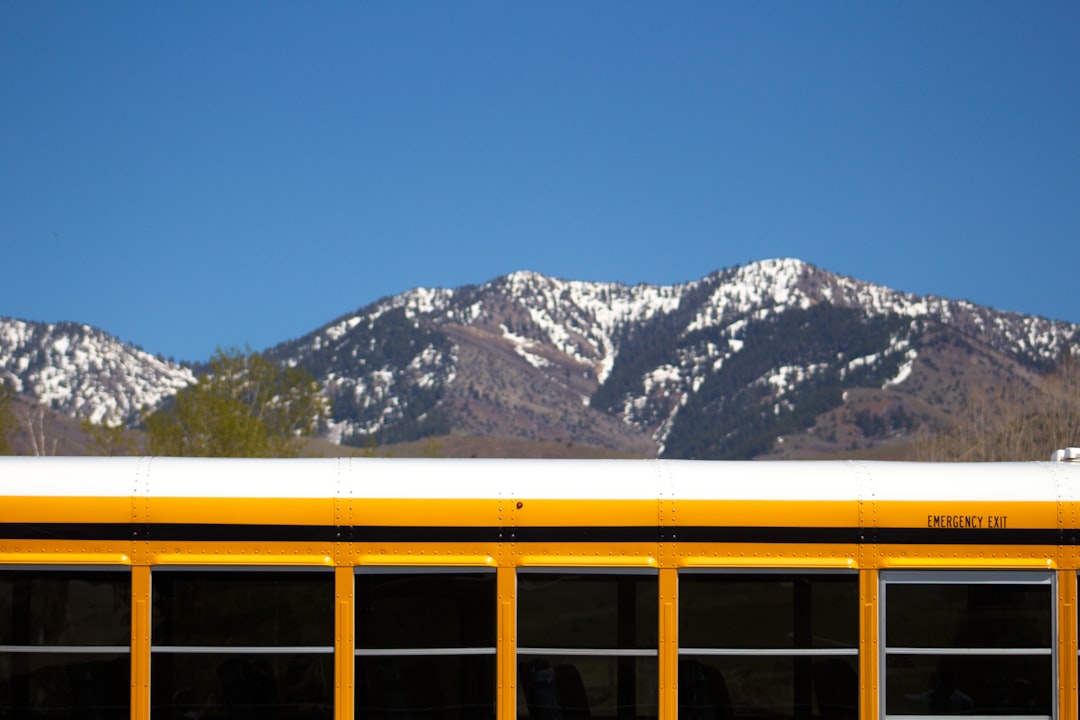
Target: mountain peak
[[716, 367]]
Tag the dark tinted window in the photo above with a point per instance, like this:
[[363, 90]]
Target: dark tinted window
[[243, 644], [248, 608], [768, 611], [576, 687], [425, 644], [65, 607], [224, 686], [66, 635], [425, 610], [722, 687], [587, 611], [968, 643], [587, 645], [779, 645], [990, 684], [426, 687], [973, 616]]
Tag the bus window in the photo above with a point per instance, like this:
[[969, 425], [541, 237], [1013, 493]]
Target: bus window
[[65, 642], [587, 645], [781, 645], [425, 644], [968, 643], [242, 643]]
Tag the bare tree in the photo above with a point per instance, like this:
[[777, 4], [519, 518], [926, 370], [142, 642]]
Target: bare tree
[[1018, 421], [34, 422], [8, 421]]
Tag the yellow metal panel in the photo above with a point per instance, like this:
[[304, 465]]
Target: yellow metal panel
[[430, 558], [442, 512], [139, 512], [1067, 645], [869, 703], [666, 513], [140, 643], [67, 552], [506, 645], [765, 555], [33, 509], [343, 510], [794, 562], [983, 557], [240, 554], [588, 555], [766, 513], [433, 553], [242, 511], [584, 513], [669, 644], [974, 514], [344, 644]]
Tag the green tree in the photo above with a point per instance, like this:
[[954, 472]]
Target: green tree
[[432, 448], [109, 439], [245, 406], [371, 447]]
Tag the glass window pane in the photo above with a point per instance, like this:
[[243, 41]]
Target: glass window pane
[[728, 686], [251, 687], [834, 611], [277, 608], [759, 611], [429, 610], [426, 687], [65, 685], [65, 607], [969, 685], [578, 688], [587, 611], [977, 615]]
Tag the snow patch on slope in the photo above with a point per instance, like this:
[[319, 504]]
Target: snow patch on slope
[[581, 319], [83, 372]]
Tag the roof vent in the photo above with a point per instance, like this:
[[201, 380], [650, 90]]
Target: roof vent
[[1066, 455]]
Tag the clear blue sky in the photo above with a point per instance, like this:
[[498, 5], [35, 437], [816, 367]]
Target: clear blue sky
[[189, 175]]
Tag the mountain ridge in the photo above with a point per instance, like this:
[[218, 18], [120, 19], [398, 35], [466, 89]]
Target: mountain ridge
[[736, 364]]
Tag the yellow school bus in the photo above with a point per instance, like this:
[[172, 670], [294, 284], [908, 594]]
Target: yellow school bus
[[188, 589]]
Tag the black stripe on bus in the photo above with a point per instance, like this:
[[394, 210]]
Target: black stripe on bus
[[199, 532], [66, 531], [751, 534], [205, 532], [968, 536]]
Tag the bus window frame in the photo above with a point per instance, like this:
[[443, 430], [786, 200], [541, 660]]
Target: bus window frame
[[794, 653], [235, 649], [360, 652], [70, 649], [636, 654], [966, 577], [122, 571], [240, 651]]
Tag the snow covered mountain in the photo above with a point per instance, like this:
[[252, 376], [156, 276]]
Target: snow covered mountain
[[720, 367], [776, 358], [83, 372]]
